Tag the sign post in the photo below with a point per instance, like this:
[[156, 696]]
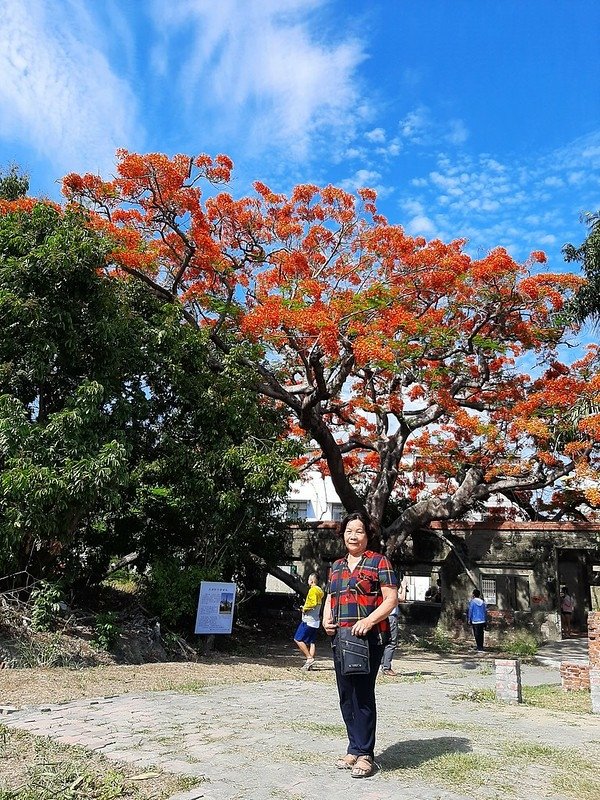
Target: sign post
[[216, 602]]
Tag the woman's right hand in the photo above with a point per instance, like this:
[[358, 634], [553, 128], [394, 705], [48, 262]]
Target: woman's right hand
[[329, 627]]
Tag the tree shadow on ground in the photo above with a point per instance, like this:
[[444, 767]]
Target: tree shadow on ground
[[412, 753]]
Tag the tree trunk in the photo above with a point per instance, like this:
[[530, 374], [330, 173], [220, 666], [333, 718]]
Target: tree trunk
[[298, 585]]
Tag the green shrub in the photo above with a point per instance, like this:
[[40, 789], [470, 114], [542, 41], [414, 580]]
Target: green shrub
[[125, 580], [171, 590], [106, 630], [45, 599], [438, 642], [520, 643], [43, 652]]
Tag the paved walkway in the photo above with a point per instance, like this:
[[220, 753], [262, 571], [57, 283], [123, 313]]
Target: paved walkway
[[276, 740], [552, 653]]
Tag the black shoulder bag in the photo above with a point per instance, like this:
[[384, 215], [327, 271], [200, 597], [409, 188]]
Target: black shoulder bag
[[352, 651]]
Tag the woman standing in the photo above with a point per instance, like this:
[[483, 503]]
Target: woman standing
[[566, 611], [361, 593]]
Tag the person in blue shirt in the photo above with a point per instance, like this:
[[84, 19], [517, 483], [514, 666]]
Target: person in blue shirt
[[477, 618]]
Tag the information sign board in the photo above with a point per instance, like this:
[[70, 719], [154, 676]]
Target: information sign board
[[215, 607]]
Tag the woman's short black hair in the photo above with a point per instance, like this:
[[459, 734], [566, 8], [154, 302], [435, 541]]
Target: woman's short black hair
[[370, 527]]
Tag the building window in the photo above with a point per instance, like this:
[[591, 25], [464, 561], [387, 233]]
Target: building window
[[488, 591], [297, 510], [337, 511], [507, 592]]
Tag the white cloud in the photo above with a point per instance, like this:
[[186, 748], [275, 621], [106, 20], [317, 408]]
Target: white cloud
[[421, 225], [591, 152], [415, 124], [261, 64], [413, 207], [393, 149], [458, 133], [366, 178], [58, 92], [422, 128], [524, 206], [376, 135], [354, 152]]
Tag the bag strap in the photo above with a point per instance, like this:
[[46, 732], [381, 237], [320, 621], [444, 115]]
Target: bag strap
[[337, 594]]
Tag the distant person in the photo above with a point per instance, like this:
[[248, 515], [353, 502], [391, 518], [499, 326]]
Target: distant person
[[567, 606], [434, 593], [477, 618], [306, 632], [390, 648]]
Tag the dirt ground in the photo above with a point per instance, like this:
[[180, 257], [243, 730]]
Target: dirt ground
[[30, 687], [279, 661]]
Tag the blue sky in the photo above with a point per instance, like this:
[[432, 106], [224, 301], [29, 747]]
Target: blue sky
[[472, 118]]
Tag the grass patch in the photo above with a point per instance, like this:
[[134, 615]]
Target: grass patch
[[450, 762], [549, 697], [188, 687], [44, 650], [533, 752], [519, 643], [321, 729], [445, 725], [554, 699], [438, 642], [36, 768], [446, 761], [291, 755], [582, 784], [460, 769], [476, 696]]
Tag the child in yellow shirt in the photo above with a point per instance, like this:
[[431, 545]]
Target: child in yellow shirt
[[306, 632]]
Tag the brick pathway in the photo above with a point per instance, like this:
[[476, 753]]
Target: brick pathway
[[278, 739]]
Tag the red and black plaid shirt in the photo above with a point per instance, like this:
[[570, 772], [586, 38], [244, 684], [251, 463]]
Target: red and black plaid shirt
[[355, 594]]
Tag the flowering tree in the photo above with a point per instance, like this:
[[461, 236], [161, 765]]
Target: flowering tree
[[397, 358]]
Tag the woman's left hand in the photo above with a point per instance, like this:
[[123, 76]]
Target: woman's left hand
[[362, 627]]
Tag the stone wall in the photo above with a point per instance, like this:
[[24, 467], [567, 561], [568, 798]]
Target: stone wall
[[521, 556]]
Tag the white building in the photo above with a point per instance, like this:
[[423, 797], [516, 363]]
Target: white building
[[313, 499]]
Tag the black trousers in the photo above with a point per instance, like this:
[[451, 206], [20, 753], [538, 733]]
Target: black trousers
[[478, 628], [357, 703]]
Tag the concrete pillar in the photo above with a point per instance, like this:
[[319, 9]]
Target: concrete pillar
[[595, 690], [508, 680]]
